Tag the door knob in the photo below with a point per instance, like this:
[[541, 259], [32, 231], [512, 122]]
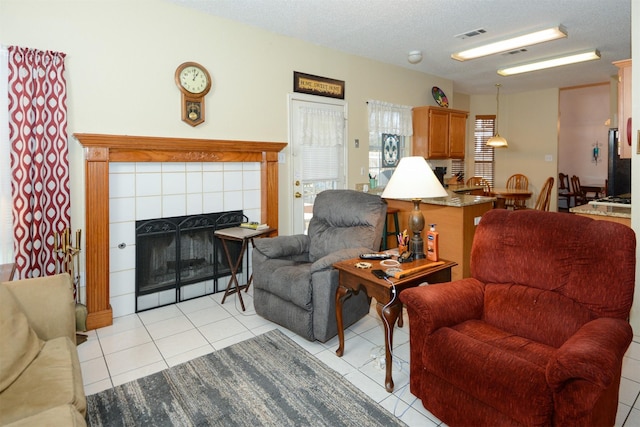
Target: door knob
[[298, 195], [297, 183]]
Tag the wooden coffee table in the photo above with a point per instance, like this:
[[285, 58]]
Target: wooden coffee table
[[389, 307]]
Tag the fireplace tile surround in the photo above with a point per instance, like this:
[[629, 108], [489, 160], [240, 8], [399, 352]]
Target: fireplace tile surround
[[142, 191], [103, 152]]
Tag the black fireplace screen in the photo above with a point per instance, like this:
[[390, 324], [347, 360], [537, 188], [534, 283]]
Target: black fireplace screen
[[178, 251]]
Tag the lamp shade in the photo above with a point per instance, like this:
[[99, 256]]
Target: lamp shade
[[497, 142], [413, 179]]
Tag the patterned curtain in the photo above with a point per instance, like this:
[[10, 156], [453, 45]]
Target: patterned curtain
[[39, 157]]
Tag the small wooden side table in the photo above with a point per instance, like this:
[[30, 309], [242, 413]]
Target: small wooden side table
[[246, 236], [353, 279]]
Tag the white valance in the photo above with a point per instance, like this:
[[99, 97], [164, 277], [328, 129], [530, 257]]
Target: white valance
[[389, 118], [321, 127]]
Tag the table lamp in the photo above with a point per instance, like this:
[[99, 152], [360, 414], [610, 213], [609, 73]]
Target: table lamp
[[413, 179]]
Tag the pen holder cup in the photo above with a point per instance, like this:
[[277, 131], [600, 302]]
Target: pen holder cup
[[402, 249], [372, 183]]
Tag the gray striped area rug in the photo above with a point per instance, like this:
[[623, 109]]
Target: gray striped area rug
[[268, 380]]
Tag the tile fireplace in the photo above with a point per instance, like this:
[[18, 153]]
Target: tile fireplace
[[102, 150]]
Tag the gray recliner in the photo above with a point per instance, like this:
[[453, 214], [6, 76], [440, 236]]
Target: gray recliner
[[294, 279]]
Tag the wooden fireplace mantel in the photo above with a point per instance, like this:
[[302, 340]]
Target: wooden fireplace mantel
[[100, 150]]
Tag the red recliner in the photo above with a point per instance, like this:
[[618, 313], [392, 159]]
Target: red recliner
[[537, 335]]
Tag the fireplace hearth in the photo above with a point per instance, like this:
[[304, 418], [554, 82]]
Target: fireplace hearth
[[178, 251]]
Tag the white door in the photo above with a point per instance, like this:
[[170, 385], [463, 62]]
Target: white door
[[318, 133]]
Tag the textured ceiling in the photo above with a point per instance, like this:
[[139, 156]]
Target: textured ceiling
[[387, 30]]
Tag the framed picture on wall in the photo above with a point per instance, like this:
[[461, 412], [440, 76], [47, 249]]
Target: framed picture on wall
[[390, 150]]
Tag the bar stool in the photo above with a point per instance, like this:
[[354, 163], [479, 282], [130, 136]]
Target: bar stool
[[385, 232]]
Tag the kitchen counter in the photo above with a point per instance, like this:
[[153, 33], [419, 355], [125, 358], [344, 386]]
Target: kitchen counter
[[620, 214], [456, 217], [454, 199], [459, 200]]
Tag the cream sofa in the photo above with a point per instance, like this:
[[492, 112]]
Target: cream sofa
[[40, 377]]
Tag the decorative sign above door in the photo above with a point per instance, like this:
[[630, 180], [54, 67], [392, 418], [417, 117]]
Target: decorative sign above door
[[316, 85]]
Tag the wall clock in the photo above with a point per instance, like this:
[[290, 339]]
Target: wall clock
[[194, 83]]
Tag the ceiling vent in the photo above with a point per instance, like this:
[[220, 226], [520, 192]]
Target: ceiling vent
[[514, 52], [471, 33]]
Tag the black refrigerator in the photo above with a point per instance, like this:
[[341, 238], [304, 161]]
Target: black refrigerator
[[619, 176]]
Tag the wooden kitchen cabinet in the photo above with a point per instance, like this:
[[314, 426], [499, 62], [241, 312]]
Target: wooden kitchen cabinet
[[457, 134], [439, 133], [624, 107]]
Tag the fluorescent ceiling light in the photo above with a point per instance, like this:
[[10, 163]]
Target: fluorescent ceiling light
[[512, 44], [550, 63]]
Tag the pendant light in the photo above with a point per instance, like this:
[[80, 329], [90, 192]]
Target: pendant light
[[497, 141]]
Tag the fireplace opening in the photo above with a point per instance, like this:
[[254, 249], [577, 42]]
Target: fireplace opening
[[174, 252]]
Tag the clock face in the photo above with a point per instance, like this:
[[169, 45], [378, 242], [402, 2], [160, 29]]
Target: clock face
[[194, 79]]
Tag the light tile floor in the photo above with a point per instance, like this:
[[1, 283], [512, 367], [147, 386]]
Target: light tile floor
[[141, 344]]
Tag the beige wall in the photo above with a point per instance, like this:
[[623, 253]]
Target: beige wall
[[584, 121], [528, 121], [121, 59]]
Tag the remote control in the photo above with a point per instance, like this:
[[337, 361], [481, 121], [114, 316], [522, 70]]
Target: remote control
[[375, 256]]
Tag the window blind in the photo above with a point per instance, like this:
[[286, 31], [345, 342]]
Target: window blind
[[483, 162]]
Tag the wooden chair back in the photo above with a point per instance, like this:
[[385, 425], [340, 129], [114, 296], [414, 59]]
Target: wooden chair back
[[520, 182], [475, 181], [478, 181], [544, 198], [565, 192], [563, 183], [581, 198]]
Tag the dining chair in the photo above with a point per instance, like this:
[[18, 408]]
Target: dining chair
[[544, 198], [580, 196], [592, 192], [520, 182], [564, 192], [478, 181], [475, 181], [486, 186]]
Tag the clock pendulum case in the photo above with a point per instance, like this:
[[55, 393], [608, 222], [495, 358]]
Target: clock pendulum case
[[194, 83]]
